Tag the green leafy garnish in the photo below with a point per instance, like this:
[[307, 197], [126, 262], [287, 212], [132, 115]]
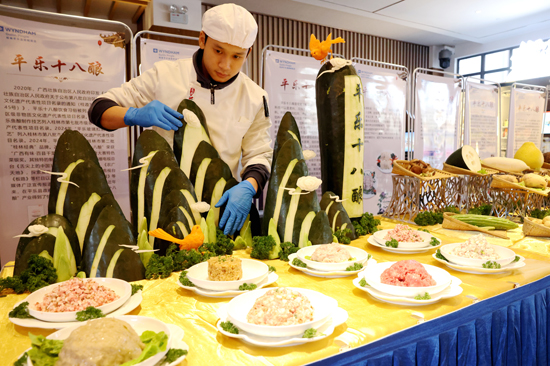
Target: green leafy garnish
[[89, 313], [154, 343], [434, 242], [136, 288], [355, 267], [516, 259], [491, 264], [298, 263], [247, 287], [229, 327], [424, 230], [426, 296], [311, 333], [367, 224], [271, 269], [287, 248], [440, 256], [482, 171], [184, 280], [481, 210], [39, 273], [342, 236], [173, 354], [21, 311], [44, 352], [428, 218], [363, 283], [22, 361], [392, 243]]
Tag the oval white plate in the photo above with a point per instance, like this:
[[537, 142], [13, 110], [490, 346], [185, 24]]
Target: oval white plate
[[238, 308], [380, 234], [506, 256], [476, 270], [440, 276], [359, 254], [253, 272], [271, 278], [398, 250], [139, 323], [122, 288], [132, 303], [338, 317], [328, 274], [453, 290]]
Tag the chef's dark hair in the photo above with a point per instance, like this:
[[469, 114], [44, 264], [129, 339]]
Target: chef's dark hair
[[206, 37]]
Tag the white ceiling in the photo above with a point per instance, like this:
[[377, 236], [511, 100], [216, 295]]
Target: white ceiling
[[427, 22]]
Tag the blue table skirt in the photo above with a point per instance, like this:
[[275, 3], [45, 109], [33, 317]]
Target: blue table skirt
[[508, 329]]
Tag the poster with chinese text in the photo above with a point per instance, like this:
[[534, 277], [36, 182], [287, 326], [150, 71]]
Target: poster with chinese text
[[50, 75], [526, 119], [481, 119], [437, 122], [385, 99], [153, 51]]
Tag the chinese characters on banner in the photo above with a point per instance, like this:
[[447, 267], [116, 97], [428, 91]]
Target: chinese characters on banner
[[385, 99], [290, 84], [437, 115], [526, 115], [154, 51], [50, 75], [481, 119]]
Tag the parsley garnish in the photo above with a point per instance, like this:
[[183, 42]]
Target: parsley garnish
[[89, 313]]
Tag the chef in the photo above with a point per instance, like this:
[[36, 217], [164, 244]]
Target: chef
[[235, 107]]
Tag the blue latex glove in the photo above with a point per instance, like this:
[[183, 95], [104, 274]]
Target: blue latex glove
[[237, 201], [154, 114]]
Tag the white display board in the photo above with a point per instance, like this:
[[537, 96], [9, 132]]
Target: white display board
[[526, 118], [153, 51], [481, 126], [437, 113], [50, 75], [384, 94], [290, 84]]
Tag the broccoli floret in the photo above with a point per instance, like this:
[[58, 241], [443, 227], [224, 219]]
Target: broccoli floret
[[159, 267], [354, 267], [287, 248], [223, 246], [229, 327], [342, 236], [262, 246], [392, 243], [89, 313], [367, 224]]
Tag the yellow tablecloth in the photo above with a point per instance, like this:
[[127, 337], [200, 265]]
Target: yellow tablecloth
[[369, 319]]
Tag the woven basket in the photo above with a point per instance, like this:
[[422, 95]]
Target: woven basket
[[401, 167], [454, 224], [531, 228], [501, 183], [460, 171], [502, 171]]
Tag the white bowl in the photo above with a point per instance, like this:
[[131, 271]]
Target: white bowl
[[359, 254], [379, 236], [140, 325], [441, 277], [506, 256], [239, 307], [254, 272], [122, 288]]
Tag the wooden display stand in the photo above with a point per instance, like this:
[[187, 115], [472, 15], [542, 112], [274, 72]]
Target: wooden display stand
[[513, 204]]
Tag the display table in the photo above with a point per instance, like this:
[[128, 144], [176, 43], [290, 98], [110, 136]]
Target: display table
[[384, 331]]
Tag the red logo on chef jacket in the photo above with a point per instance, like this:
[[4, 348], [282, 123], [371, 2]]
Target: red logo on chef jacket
[[191, 92]]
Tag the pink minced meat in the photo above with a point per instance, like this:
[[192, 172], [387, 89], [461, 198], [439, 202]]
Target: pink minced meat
[[408, 273]]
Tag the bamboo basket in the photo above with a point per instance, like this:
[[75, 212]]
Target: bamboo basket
[[460, 171], [501, 183], [453, 224], [531, 228], [401, 167]]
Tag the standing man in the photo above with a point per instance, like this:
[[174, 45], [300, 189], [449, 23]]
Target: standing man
[[234, 106]]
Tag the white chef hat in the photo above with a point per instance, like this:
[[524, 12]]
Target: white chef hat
[[230, 23]]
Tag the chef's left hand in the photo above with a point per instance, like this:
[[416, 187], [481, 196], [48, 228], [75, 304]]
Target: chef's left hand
[[237, 202]]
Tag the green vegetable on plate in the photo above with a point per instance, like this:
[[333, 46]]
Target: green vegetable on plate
[[173, 354], [363, 283], [229, 327], [355, 267], [392, 243], [21, 311], [311, 333], [298, 263], [491, 265], [440, 256], [247, 287], [434, 241], [89, 313], [426, 296], [184, 280], [136, 288]]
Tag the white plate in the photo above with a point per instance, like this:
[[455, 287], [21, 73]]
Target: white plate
[[380, 234], [139, 323], [122, 288], [239, 307], [338, 317], [506, 256], [476, 270], [253, 272], [328, 274], [453, 290], [132, 303], [359, 254], [373, 241], [440, 276], [271, 278]]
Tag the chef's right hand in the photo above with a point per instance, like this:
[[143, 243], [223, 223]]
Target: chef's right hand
[[154, 114]]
